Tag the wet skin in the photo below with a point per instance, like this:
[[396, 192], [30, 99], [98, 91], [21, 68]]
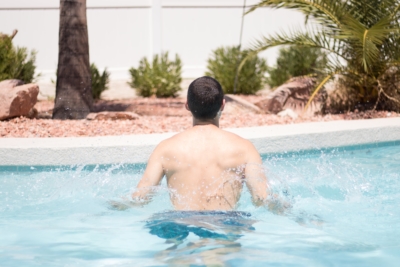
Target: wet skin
[[205, 168]]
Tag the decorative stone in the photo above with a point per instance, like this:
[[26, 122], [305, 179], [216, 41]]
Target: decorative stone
[[17, 99], [113, 116], [292, 95], [153, 122], [10, 84], [237, 105]]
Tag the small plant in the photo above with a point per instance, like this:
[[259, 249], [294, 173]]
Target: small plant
[[362, 38], [161, 78], [223, 66], [296, 61], [99, 82], [16, 62]]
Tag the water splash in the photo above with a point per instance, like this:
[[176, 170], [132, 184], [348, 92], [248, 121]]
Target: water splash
[[345, 206]]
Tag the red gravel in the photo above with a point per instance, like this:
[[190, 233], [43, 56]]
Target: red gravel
[[156, 116]]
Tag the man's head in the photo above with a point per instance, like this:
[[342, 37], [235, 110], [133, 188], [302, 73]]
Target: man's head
[[205, 98]]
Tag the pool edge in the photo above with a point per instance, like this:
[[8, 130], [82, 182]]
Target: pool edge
[[137, 148]]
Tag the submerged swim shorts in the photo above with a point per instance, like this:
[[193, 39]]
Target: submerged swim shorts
[[227, 225]]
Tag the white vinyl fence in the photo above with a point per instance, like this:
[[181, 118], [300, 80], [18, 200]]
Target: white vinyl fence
[[121, 32]]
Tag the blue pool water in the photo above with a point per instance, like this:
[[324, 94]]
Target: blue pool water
[[346, 212]]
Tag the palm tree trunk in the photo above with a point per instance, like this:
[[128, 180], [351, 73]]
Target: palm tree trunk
[[73, 90]]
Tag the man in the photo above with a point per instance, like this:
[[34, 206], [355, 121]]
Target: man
[[205, 167]]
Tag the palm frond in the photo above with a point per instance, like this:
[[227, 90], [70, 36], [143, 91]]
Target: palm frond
[[370, 12], [310, 38], [319, 87], [330, 75], [365, 33], [366, 41], [327, 12], [396, 10]]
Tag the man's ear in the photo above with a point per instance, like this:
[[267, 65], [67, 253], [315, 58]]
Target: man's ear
[[187, 106], [223, 105]]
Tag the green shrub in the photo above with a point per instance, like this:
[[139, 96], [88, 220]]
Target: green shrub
[[16, 62], [223, 65], [296, 61], [362, 38], [99, 82], [161, 78]]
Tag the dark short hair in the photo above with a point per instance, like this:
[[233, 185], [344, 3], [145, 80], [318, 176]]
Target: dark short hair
[[205, 97]]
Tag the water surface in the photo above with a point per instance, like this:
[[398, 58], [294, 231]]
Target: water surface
[[345, 213]]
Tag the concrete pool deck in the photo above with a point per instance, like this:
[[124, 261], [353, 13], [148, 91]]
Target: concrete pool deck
[[137, 148]]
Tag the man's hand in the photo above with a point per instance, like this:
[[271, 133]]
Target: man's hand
[[116, 205], [144, 195], [277, 205], [151, 178], [134, 202]]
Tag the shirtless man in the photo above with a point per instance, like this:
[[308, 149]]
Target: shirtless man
[[205, 166]]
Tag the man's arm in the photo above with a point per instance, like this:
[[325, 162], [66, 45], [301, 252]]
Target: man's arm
[[152, 177], [145, 188], [255, 178], [256, 182]]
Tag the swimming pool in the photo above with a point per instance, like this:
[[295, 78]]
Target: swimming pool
[[345, 213]]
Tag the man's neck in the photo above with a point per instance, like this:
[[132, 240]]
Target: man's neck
[[198, 122]]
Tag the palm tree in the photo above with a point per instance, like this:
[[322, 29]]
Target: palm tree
[[73, 89], [362, 33]]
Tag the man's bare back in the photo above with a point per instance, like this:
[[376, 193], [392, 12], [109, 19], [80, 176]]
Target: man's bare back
[[205, 166], [205, 169]]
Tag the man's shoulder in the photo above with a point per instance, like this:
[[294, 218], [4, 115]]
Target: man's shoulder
[[171, 141], [218, 135], [239, 143], [236, 138], [221, 142]]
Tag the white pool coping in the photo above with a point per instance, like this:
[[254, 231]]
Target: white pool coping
[[137, 148]]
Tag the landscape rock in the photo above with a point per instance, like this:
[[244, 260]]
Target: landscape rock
[[238, 105], [113, 116], [16, 99], [10, 84], [292, 95]]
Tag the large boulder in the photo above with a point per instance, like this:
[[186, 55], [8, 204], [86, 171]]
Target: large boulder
[[292, 95], [10, 84], [17, 99]]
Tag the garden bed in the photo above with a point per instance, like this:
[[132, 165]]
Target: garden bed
[[156, 115]]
